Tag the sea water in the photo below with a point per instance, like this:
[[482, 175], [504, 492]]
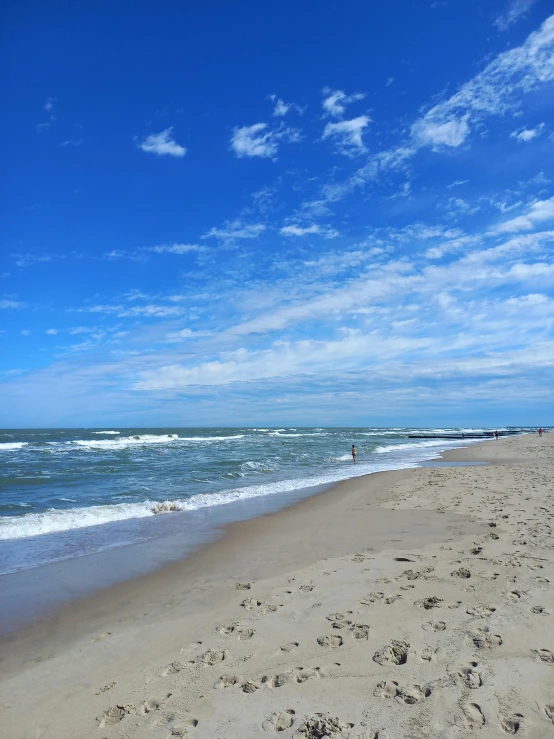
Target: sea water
[[61, 490]]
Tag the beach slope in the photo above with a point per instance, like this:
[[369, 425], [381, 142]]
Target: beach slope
[[400, 605]]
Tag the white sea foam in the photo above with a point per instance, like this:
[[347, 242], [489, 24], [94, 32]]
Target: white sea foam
[[279, 433], [10, 446], [106, 432], [34, 524], [142, 439], [417, 445]]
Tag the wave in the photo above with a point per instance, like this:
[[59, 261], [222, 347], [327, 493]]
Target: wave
[[105, 432], [9, 446], [416, 445], [35, 524], [278, 433], [130, 441]]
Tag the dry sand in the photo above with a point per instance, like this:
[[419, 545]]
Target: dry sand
[[400, 605]]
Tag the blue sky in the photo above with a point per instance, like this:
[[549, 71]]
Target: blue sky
[[277, 213]]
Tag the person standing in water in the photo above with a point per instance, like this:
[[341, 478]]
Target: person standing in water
[[354, 453]]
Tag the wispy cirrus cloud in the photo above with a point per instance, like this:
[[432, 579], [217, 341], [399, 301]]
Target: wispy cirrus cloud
[[281, 108], [538, 212], [175, 248], [146, 311], [259, 140], [514, 12], [527, 134], [162, 144], [11, 304], [495, 91], [48, 107], [314, 229], [235, 230]]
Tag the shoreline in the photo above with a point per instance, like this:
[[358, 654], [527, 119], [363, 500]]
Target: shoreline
[[172, 606], [40, 591]]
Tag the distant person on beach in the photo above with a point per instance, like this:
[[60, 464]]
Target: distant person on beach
[[540, 431], [496, 434], [354, 453]]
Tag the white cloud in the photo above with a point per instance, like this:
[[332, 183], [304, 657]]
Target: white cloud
[[335, 101], [148, 311], [539, 212], [162, 144], [25, 332], [281, 108], [175, 248], [70, 142], [527, 134], [389, 81], [295, 230], [494, 91], [436, 132], [233, 230], [348, 134], [52, 331], [49, 104], [8, 304], [515, 10], [261, 141]]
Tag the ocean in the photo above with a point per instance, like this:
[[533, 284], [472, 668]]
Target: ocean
[[63, 490]]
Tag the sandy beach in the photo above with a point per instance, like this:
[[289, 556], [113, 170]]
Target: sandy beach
[[400, 605]]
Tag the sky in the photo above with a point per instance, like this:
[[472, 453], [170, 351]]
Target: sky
[[277, 213]]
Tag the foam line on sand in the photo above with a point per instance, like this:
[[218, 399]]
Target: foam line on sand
[[416, 603]]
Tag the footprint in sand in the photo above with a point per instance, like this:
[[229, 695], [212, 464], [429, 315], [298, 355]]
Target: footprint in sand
[[322, 725], [413, 694], [341, 624], [289, 646], [306, 588], [434, 626], [173, 668], [183, 727], [227, 681], [511, 723], [462, 572], [107, 687], [226, 630], [360, 631], [473, 717], [539, 610], [428, 603], [429, 654], [386, 689], [515, 595], [333, 640], [545, 655], [114, 715], [372, 597], [101, 637], [481, 611], [243, 586], [211, 657], [251, 603], [153, 704], [471, 675], [280, 721], [483, 639], [395, 653], [339, 616], [549, 710]]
